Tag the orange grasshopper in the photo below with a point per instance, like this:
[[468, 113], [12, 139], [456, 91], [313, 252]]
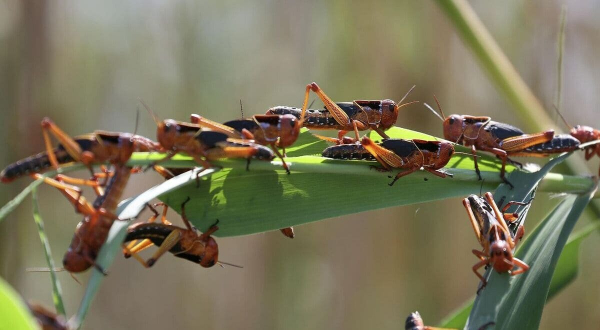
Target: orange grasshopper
[[97, 147], [585, 134], [411, 155], [490, 227], [183, 243], [92, 231], [503, 140], [203, 145], [276, 131], [358, 115]]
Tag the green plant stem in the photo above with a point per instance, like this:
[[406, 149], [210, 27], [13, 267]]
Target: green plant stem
[[552, 183], [496, 64], [503, 75]]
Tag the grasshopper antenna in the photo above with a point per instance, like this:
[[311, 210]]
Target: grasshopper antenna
[[406, 95], [434, 112], [561, 49], [156, 120], [137, 120], [400, 104], [221, 263], [44, 269], [311, 104], [563, 118], [241, 108], [559, 64], [439, 106], [55, 269]]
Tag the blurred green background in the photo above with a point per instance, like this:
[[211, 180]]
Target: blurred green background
[[85, 64]]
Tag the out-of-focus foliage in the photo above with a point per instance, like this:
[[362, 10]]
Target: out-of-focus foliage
[[14, 313]]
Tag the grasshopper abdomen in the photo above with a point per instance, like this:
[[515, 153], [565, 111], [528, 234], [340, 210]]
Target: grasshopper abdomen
[[560, 143], [34, 164], [348, 152]]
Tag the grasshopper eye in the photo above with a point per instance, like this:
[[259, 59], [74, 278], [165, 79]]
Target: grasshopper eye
[[451, 121], [293, 123]]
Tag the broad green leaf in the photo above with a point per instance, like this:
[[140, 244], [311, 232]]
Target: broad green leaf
[[518, 302], [14, 314], [56, 288]]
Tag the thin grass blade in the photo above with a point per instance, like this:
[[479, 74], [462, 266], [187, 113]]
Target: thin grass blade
[[56, 288]]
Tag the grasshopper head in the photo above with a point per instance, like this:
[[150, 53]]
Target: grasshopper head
[[74, 261], [584, 133], [211, 254], [501, 256]]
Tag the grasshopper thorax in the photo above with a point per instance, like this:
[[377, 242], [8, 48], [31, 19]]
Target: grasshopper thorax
[[74, 261], [170, 133]]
